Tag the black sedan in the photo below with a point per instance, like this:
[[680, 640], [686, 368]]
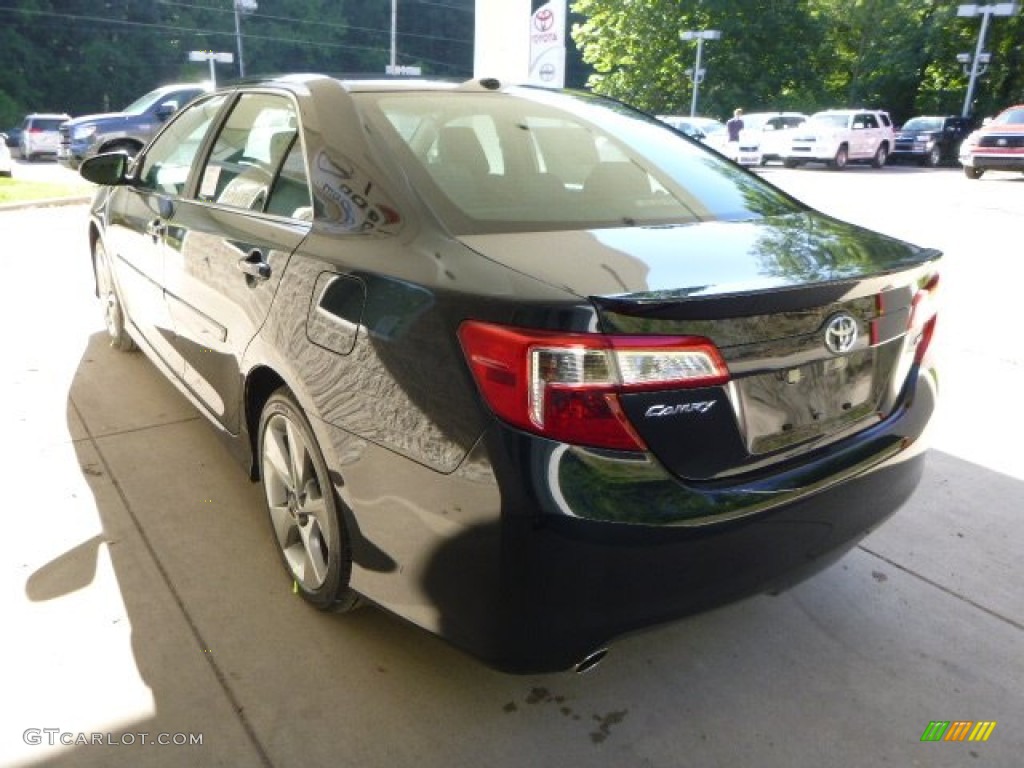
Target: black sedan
[[527, 368]]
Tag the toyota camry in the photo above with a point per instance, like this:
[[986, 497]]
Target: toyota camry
[[526, 368]]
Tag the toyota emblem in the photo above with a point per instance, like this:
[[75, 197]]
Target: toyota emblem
[[841, 334]]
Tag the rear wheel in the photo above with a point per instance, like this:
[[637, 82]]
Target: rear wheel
[[114, 317], [790, 162], [304, 510], [973, 173], [881, 154], [838, 162]]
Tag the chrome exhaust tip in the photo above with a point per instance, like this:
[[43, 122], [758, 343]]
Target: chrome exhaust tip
[[590, 661]]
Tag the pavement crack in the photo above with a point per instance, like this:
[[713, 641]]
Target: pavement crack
[[941, 587], [165, 576]]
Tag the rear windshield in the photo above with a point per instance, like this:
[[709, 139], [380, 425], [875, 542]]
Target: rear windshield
[[45, 123], [531, 160], [923, 124]]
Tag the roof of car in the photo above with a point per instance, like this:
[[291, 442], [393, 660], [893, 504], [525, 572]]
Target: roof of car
[[375, 82]]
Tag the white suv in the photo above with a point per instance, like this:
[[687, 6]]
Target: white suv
[[841, 136]]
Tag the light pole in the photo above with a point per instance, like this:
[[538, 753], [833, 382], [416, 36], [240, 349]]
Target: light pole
[[241, 7], [980, 57], [697, 74], [211, 56]]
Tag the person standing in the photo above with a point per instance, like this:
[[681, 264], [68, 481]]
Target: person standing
[[735, 125]]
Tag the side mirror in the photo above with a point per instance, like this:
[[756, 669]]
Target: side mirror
[[109, 169], [166, 109]]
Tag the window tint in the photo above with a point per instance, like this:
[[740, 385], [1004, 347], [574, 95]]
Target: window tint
[[539, 160], [165, 167], [249, 151]]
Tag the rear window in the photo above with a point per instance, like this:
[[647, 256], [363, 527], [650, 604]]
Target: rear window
[[45, 123], [538, 160]]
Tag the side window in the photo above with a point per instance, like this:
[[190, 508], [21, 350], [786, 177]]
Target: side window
[[290, 194], [869, 121], [165, 167], [249, 151]]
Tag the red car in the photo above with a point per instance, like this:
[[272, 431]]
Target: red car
[[996, 146]]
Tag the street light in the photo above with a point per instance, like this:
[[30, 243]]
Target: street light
[[980, 57], [697, 74], [211, 56], [241, 7]]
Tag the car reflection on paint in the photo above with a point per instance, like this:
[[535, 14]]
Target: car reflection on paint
[[524, 367]]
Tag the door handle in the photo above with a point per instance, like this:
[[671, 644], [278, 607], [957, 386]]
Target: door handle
[[156, 229], [254, 266]]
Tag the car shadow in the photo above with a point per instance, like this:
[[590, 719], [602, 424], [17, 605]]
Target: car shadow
[[921, 621]]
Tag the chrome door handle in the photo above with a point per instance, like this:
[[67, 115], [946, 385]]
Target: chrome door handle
[[254, 266], [156, 229]]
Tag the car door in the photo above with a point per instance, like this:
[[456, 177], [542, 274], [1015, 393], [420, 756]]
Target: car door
[[229, 243], [136, 224], [869, 135]]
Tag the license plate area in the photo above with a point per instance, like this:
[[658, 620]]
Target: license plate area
[[789, 406]]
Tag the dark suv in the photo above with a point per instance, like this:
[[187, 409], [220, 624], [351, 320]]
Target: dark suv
[[930, 140], [126, 131]]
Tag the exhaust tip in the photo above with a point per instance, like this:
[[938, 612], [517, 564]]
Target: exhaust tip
[[590, 661]]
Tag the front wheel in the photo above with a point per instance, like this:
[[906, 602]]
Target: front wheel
[[304, 510], [973, 173], [114, 317], [881, 155], [934, 158], [838, 162]]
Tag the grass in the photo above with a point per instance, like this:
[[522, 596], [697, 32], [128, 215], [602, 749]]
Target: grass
[[17, 190]]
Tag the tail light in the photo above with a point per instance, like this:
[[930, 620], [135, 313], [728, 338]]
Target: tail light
[[923, 314], [565, 386]]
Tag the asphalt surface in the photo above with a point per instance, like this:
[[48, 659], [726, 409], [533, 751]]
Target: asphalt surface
[[141, 594]]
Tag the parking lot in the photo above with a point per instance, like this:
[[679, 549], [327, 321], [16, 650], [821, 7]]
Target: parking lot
[[142, 594]]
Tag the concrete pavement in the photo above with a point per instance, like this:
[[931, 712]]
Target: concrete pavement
[[141, 594]]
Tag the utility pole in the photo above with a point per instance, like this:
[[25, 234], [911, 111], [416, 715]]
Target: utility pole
[[980, 57], [241, 7], [697, 74]]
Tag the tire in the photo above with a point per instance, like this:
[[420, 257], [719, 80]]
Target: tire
[[303, 510], [114, 317], [934, 158], [881, 155], [838, 162], [790, 163], [973, 173]]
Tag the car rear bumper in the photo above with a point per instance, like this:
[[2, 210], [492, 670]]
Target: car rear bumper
[[533, 555]]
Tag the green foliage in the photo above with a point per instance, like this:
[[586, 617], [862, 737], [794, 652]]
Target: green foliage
[[797, 54], [84, 56]]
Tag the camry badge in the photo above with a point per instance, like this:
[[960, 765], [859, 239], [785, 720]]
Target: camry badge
[[840, 334]]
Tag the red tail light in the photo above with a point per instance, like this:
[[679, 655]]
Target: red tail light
[[923, 314], [565, 386]]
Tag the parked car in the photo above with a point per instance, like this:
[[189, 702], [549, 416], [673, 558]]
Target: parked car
[[930, 140], [997, 146], [126, 131], [524, 367], [773, 132], [837, 137], [39, 135], [13, 135], [6, 163], [746, 151], [694, 127]]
